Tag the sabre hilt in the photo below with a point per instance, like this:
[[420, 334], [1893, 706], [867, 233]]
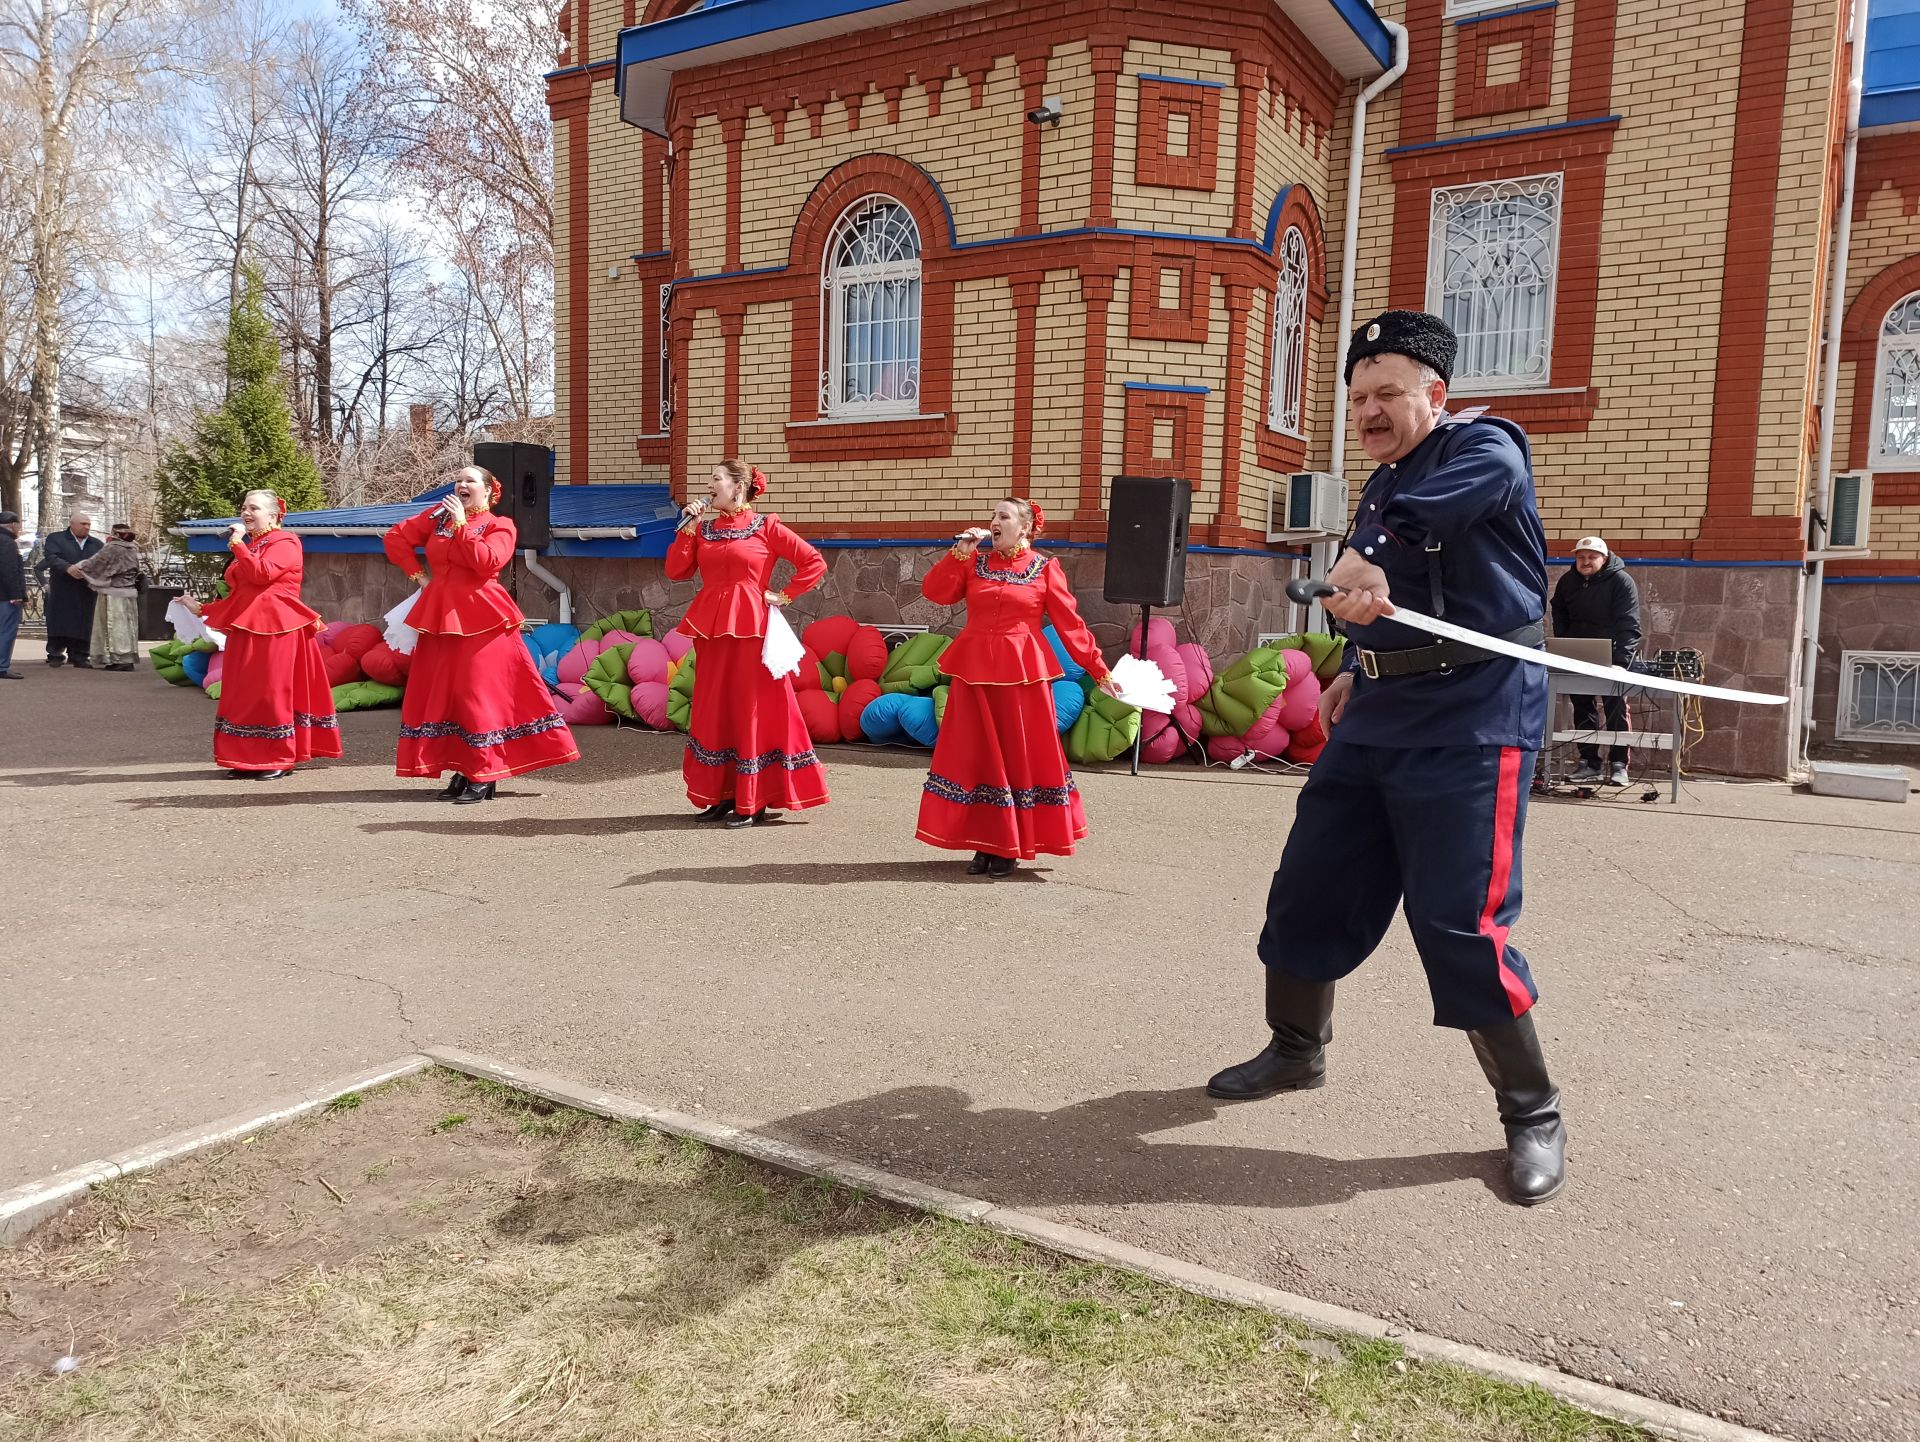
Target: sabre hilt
[[1305, 592]]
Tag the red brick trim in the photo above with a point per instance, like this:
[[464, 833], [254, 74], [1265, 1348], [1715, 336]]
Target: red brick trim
[[1891, 490], [1474, 94], [909, 437], [1590, 86], [1739, 368], [1750, 538], [1146, 319], [1096, 293], [1107, 60], [1033, 88], [582, 31], [1420, 87], [1251, 77], [1860, 346], [1154, 162], [1233, 428], [1026, 312], [1871, 567], [1888, 160], [845, 185], [733, 131], [1580, 155], [564, 24], [1142, 456]]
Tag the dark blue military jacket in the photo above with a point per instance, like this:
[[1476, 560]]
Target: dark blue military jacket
[[1468, 486]]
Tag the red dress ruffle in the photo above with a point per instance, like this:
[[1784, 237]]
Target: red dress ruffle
[[275, 708], [747, 742], [999, 782]]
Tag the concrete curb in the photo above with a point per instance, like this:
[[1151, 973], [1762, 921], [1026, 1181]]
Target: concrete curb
[[25, 1207], [1660, 1418]]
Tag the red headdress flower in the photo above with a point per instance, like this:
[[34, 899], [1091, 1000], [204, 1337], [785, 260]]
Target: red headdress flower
[[1039, 516], [756, 483]]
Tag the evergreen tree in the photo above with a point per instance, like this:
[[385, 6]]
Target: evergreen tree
[[246, 445]]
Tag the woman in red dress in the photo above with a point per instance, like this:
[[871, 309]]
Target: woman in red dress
[[748, 751], [999, 785], [275, 708], [475, 704]]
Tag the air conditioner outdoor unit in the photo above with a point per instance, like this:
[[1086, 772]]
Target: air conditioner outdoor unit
[[1309, 504], [1849, 509]]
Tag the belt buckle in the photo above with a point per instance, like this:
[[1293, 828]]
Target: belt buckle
[[1368, 665]]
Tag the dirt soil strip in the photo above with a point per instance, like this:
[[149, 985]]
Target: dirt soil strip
[[1655, 1416], [23, 1208]]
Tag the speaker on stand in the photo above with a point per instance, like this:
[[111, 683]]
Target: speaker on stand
[[525, 473], [1147, 551]]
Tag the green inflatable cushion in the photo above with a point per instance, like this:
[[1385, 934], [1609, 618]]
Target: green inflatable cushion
[[365, 695], [1322, 650], [913, 665], [168, 655], [1106, 729], [607, 678], [1241, 694], [680, 694], [636, 622], [213, 691]]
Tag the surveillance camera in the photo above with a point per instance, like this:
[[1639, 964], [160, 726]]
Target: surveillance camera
[[1049, 113]]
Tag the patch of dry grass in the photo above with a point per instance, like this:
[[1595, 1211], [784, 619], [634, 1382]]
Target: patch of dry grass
[[607, 1282]]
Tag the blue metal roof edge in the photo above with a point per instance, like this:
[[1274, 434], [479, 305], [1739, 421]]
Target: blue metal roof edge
[[1368, 28], [1890, 107]]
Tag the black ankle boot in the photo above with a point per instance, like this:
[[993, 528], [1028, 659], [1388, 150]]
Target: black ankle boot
[[453, 788], [482, 791], [1301, 1015], [978, 866], [719, 811], [1529, 1109]]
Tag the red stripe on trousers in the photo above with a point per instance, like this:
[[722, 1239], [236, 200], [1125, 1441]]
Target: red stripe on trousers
[[1506, 806]]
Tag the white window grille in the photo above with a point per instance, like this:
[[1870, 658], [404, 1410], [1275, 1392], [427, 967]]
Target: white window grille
[[1879, 696], [1492, 260], [870, 344], [1896, 389], [666, 363], [1287, 372]]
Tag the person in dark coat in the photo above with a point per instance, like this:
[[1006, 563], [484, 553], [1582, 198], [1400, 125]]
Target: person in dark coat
[[13, 592], [1598, 600], [70, 602]]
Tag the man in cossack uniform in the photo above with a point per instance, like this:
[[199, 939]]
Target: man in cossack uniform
[[1420, 797]]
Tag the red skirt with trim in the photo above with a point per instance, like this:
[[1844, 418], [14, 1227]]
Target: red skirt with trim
[[476, 705], [999, 781], [275, 708], [746, 741]]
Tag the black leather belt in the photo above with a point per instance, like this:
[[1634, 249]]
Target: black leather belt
[[1440, 656]]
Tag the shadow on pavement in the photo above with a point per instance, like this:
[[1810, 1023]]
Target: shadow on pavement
[[77, 777], [1096, 1152], [832, 873], [531, 826], [240, 795]]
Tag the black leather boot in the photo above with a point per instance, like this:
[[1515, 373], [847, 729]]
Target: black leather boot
[[719, 811], [1529, 1109], [1301, 1015], [454, 787], [475, 792]]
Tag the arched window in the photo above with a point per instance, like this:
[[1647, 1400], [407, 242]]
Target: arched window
[[1896, 388], [870, 283], [1287, 368]]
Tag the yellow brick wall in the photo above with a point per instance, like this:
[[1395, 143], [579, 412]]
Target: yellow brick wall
[[617, 356], [706, 162], [1066, 150], [1060, 338], [1155, 207], [562, 310], [1175, 363], [705, 418]]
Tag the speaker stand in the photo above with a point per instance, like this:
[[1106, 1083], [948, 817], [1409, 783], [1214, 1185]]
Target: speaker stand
[[1146, 615]]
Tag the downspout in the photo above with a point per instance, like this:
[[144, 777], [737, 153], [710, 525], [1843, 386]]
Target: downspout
[[560, 587], [1814, 582], [1323, 551]]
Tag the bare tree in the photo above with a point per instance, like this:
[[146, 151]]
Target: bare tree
[[79, 68], [467, 99]]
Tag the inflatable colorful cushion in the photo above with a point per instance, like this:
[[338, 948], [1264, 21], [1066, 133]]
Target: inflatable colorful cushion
[[365, 696], [607, 679], [386, 666], [1106, 729], [839, 675], [634, 623], [1187, 666], [914, 665], [169, 656], [680, 691], [547, 644]]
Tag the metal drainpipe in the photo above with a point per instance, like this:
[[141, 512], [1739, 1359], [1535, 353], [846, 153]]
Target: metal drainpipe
[[1323, 551], [1814, 582], [560, 587]]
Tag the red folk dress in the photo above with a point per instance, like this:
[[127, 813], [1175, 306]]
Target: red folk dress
[[999, 781], [275, 708], [746, 741], [475, 703]]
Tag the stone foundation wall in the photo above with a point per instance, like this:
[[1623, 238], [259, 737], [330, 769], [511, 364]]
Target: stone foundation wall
[[1743, 620], [1871, 616]]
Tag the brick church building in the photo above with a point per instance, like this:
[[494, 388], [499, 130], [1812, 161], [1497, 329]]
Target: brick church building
[[913, 255]]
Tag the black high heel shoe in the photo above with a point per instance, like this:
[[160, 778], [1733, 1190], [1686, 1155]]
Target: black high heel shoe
[[272, 775], [481, 792], [999, 866], [451, 791], [978, 866], [746, 818], [719, 811]]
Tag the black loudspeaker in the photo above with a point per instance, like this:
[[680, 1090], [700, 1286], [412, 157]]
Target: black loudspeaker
[[1147, 540], [525, 473]]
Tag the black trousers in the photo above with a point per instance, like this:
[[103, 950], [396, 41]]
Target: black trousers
[[1586, 716], [74, 647]]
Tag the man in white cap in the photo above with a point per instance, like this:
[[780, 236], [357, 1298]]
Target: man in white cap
[[1598, 600]]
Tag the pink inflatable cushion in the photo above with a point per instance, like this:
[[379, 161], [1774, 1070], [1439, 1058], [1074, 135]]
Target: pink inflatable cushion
[[1300, 702], [582, 707], [216, 667], [574, 664], [678, 643], [649, 699], [647, 661]]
